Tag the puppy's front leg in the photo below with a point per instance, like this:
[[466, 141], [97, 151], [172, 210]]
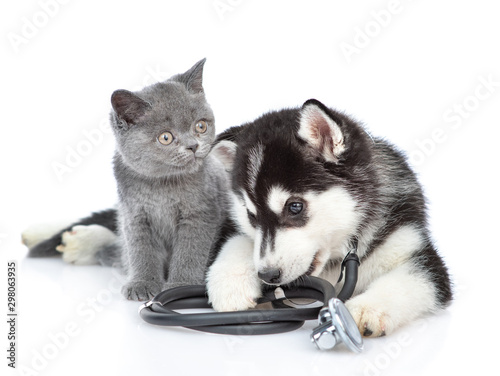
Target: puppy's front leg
[[232, 281], [392, 300]]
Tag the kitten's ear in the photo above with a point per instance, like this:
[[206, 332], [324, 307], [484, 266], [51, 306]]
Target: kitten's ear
[[320, 130], [225, 151], [193, 78], [128, 106]]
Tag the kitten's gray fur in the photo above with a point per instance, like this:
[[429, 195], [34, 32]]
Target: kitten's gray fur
[[172, 198]]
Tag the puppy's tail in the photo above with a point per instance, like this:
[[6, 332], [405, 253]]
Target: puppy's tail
[[43, 243]]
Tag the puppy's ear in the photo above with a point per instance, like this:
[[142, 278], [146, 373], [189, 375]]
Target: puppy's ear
[[225, 151], [321, 131], [128, 106]]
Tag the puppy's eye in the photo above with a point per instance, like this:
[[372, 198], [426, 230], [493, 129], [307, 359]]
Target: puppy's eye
[[295, 208], [251, 215], [166, 138], [252, 218], [201, 126]]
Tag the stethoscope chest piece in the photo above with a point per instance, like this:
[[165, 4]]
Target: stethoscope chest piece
[[336, 325]]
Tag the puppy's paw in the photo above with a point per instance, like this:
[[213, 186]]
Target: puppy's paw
[[232, 281], [233, 292], [141, 290], [371, 318], [237, 296], [80, 245], [35, 234]]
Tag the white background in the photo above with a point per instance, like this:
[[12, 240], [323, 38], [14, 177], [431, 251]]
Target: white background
[[415, 74]]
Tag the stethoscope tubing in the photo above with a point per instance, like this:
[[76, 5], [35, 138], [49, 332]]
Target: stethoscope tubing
[[160, 310]]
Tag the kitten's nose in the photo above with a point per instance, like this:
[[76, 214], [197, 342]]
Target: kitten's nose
[[193, 147]]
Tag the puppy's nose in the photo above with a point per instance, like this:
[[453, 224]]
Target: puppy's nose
[[270, 275]]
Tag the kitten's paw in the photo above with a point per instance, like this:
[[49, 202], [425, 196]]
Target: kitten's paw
[[80, 245], [371, 318], [141, 290]]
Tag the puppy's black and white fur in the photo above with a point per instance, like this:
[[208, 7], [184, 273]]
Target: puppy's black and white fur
[[307, 183]]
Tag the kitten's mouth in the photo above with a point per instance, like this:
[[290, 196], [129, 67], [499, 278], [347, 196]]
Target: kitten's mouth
[[200, 154], [190, 159]]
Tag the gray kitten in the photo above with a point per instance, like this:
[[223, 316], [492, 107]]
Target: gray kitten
[[171, 188], [172, 192]]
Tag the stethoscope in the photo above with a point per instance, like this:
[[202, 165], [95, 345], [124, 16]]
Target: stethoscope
[[335, 323]]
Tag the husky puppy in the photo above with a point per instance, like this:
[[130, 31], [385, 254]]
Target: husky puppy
[[307, 184]]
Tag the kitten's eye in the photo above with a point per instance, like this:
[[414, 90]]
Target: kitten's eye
[[201, 126], [295, 208], [166, 138]]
